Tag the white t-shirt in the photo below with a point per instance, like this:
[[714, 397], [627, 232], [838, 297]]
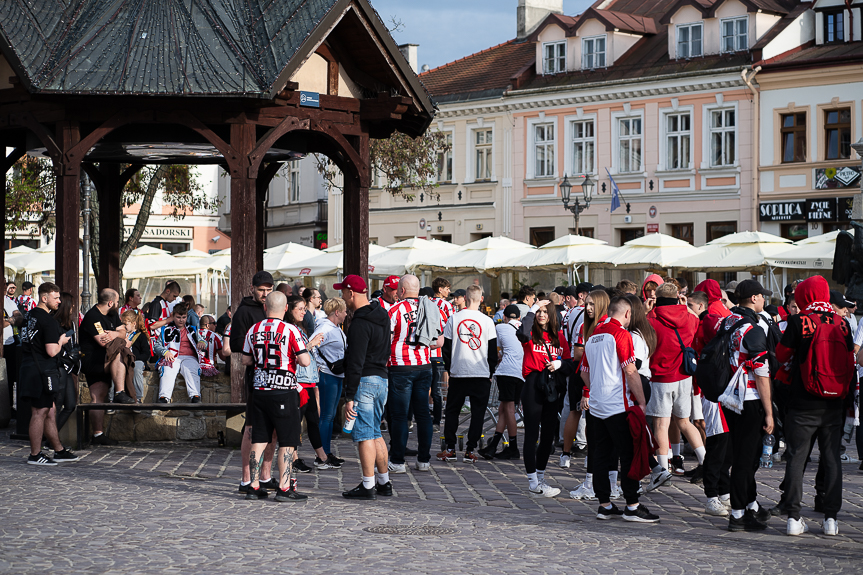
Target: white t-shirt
[[642, 352], [470, 331], [10, 308], [572, 324], [511, 349]]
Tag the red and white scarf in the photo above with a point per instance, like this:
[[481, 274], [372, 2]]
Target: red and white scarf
[[822, 306]]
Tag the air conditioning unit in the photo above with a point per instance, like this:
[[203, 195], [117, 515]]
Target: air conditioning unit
[[627, 219]]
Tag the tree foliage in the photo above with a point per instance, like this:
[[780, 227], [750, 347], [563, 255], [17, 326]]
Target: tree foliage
[[30, 198]]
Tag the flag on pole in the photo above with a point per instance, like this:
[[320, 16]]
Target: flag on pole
[[615, 192]]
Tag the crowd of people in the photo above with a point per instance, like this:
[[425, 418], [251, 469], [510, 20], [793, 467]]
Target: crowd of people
[[619, 376]]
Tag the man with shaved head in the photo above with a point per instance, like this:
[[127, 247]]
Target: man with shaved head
[[410, 372], [274, 349]]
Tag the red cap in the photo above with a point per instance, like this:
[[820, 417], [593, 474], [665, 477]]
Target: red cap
[[392, 282], [353, 283]]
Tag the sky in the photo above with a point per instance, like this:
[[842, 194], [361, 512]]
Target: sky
[[447, 30]]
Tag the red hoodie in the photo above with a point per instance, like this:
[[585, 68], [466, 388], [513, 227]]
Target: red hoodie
[[666, 361], [716, 310]]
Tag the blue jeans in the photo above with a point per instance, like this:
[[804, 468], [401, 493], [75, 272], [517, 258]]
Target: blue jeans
[[330, 388], [369, 402], [410, 389]]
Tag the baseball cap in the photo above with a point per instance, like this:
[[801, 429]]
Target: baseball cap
[[570, 291], [749, 288], [771, 309], [263, 278], [459, 293], [839, 300], [427, 291], [353, 283], [512, 311], [377, 294], [27, 285], [559, 290], [392, 282], [584, 287]]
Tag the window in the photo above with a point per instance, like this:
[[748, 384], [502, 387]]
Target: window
[[678, 135], [723, 133], [793, 133], [554, 58], [689, 41], [795, 232], [583, 144], [444, 162], [837, 134], [629, 136], [735, 36], [541, 236], [544, 150], [683, 232], [483, 154], [583, 232], [377, 178], [827, 227], [292, 183], [716, 230], [593, 53], [834, 30], [627, 235]]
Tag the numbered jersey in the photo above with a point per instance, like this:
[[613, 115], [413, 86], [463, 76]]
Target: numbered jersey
[[445, 312], [403, 320], [274, 345]]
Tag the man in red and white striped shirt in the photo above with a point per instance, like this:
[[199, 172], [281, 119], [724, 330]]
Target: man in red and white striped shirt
[[410, 375], [389, 297], [441, 288], [25, 301]]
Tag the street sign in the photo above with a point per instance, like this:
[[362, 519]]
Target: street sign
[[310, 99], [652, 228]]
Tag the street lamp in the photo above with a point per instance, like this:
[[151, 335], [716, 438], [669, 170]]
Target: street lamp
[[587, 188]]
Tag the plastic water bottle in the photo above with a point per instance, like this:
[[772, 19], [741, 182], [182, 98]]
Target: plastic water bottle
[[767, 451], [349, 426]]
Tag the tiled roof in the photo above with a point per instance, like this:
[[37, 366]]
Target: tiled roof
[[840, 53], [630, 22], [486, 72]]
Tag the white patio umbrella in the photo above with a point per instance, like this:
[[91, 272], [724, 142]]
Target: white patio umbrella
[[487, 254], [42, 260], [16, 256], [810, 254], [219, 261], [653, 251], [284, 255], [740, 252], [149, 262], [197, 254], [568, 251], [402, 257], [326, 263]]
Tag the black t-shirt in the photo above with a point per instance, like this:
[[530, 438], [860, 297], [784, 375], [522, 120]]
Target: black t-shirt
[[155, 312], [39, 328], [92, 353]]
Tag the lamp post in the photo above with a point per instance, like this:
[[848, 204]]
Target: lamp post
[[85, 292], [587, 188]]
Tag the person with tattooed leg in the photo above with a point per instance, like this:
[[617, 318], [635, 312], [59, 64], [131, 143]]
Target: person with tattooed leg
[[275, 348]]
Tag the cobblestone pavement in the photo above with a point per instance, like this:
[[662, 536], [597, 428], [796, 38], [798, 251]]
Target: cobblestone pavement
[[173, 508]]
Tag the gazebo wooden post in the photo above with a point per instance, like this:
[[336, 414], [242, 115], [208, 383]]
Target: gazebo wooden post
[[110, 227], [356, 216], [262, 185], [68, 211]]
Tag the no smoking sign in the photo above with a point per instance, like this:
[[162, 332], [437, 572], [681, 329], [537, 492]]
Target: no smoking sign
[[470, 332]]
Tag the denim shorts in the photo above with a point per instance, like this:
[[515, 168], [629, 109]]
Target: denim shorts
[[369, 402]]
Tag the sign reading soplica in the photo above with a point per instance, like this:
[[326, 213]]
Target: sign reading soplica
[[781, 211]]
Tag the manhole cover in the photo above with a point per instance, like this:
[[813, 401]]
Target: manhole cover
[[407, 530]]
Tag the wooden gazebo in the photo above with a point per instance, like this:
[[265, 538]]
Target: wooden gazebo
[[246, 84]]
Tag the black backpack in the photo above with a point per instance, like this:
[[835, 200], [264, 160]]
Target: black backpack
[[714, 366]]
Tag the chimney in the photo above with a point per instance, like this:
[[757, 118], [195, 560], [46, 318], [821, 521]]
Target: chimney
[[531, 12], [409, 51]]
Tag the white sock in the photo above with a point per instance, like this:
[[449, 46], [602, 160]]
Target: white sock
[[533, 480], [382, 478], [265, 480], [368, 482], [245, 482], [97, 434], [632, 507], [753, 506], [663, 460], [588, 480], [737, 513], [699, 453], [607, 506], [612, 477], [726, 497], [540, 474], [675, 449]]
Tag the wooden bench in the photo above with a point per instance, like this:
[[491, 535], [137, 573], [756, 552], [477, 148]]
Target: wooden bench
[[231, 410]]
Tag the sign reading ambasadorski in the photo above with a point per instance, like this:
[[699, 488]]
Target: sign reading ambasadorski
[[162, 233]]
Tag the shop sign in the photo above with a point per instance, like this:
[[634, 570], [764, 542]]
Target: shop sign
[[821, 210], [652, 228], [162, 233], [832, 178], [846, 206], [781, 211]]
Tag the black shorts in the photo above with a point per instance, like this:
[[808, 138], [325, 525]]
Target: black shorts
[[277, 411], [509, 388], [46, 400], [576, 390]]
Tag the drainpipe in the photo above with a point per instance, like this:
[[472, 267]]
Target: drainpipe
[[748, 76]]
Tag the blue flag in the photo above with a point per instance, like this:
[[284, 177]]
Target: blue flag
[[615, 192]]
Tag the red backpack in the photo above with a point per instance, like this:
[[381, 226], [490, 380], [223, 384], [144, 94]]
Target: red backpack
[[829, 367]]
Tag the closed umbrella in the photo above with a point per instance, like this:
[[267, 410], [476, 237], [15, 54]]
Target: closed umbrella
[[653, 251]]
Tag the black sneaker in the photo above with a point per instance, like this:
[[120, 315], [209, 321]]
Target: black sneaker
[[696, 476], [259, 493], [640, 515], [270, 483], [763, 515], [385, 490], [333, 459], [300, 465], [64, 456], [578, 453], [196, 399], [360, 492], [508, 452], [746, 523], [676, 465], [102, 440], [244, 488], [603, 513], [487, 452], [162, 400], [40, 459], [289, 495], [123, 397]]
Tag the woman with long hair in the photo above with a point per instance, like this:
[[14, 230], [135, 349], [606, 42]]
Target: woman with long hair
[[546, 354], [66, 399]]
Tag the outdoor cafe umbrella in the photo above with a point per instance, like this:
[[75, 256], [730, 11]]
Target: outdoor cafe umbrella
[[326, 263], [653, 251], [813, 253], [485, 255], [16, 257], [568, 251], [402, 257], [740, 252], [283, 255], [148, 262]]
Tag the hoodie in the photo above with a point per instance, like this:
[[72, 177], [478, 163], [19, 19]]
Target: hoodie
[[249, 312], [650, 278], [666, 361], [368, 347], [716, 311]]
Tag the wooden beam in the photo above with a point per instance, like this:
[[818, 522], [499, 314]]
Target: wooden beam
[[110, 228], [356, 219], [262, 185], [68, 211]]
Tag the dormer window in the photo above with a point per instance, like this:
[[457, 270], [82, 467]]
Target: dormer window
[[593, 53], [689, 44], [554, 57], [735, 34], [834, 26]]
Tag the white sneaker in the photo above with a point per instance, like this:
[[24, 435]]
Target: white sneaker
[[544, 490], [830, 527], [583, 492], [616, 492], [715, 507], [420, 466], [796, 527], [564, 461], [397, 467], [657, 479], [847, 458]]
